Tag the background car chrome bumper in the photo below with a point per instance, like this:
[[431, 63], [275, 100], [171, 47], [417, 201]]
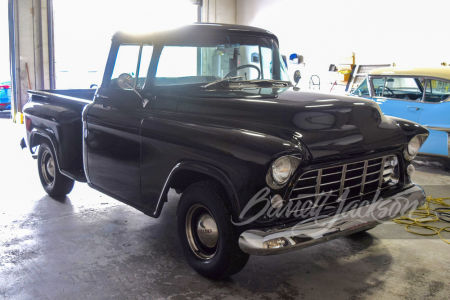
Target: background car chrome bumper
[[276, 241]]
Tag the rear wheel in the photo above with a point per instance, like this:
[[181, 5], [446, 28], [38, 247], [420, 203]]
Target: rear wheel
[[209, 240], [53, 182]]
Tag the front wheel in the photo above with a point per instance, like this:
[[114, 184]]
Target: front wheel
[[53, 182], [209, 240]]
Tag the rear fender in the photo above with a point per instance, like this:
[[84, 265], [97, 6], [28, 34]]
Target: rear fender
[[38, 135]]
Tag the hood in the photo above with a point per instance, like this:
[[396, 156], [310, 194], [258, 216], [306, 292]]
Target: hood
[[331, 124], [327, 124]]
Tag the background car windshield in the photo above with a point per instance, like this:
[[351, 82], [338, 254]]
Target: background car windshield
[[258, 58]]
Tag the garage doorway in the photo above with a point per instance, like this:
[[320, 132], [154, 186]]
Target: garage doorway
[[5, 76], [83, 31]]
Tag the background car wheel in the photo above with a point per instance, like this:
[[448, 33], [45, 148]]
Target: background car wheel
[[53, 182], [209, 240]]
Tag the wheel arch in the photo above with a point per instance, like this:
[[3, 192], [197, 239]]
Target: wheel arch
[[186, 173], [38, 136]]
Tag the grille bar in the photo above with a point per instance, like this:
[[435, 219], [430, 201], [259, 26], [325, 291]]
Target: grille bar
[[363, 183], [319, 181]]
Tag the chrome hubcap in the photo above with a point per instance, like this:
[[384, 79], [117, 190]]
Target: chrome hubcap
[[51, 167], [202, 232], [207, 230], [48, 167]]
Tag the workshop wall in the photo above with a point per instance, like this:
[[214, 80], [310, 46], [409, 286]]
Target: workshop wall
[[378, 32]]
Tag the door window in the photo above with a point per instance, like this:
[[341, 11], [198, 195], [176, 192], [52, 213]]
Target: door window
[[403, 88], [437, 91], [127, 61]]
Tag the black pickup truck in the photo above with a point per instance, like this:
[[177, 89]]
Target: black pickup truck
[[209, 111]]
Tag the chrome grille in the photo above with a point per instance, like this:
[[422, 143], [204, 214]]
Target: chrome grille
[[330, 185]]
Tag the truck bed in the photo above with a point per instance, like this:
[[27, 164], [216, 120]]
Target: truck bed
[[56, 115]]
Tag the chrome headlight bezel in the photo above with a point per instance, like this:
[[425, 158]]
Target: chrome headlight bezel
[[273, 180], [411, 150]]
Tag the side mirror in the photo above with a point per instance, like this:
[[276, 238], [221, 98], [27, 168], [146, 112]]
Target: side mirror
[[125, 81], [297, 77]]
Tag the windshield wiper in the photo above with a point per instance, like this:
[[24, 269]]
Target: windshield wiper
[[221, 80], [270, 83], [249, 83]]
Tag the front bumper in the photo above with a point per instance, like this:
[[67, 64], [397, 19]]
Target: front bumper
[[271, 241]]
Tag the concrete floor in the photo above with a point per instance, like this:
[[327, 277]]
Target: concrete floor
[[89, 246]]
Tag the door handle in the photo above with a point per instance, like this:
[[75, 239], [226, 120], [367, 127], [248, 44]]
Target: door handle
[[101, 96], [416, 108], [106, 106]]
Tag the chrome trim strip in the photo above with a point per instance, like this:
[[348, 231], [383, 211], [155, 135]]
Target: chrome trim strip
[[375, 180], [164, 187], [304, 197], [363, 181], [306, 187], [255, 241], [330, 191], [331, 174], [319, 180], [330, 182], [381, 173], [344, 173], [352, 186], [85, 136], [351, 178], [446, 129], [355, 169], [307, 178], [368, 174]]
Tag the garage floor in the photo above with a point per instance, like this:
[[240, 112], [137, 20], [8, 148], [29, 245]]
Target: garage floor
[[89, 246]]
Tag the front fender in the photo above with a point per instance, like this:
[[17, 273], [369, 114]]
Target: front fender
[[410, 129], [207, 170]]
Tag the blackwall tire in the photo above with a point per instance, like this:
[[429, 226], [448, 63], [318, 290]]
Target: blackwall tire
[[54, 183], [208, 238]]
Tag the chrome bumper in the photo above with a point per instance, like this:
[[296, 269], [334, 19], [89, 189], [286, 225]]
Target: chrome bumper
[[271, 241]]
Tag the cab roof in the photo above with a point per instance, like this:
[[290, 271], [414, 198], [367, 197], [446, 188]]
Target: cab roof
[[194, 29], [439, 72]]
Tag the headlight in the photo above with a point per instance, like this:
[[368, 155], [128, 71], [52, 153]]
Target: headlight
[[413, 146], [281, 170]]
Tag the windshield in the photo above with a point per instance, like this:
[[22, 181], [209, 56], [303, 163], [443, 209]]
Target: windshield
[[250, 57]]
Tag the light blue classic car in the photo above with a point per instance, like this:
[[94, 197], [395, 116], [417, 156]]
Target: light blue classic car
[[421, 95]]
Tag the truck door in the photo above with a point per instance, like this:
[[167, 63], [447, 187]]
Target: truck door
[[114, 122]]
